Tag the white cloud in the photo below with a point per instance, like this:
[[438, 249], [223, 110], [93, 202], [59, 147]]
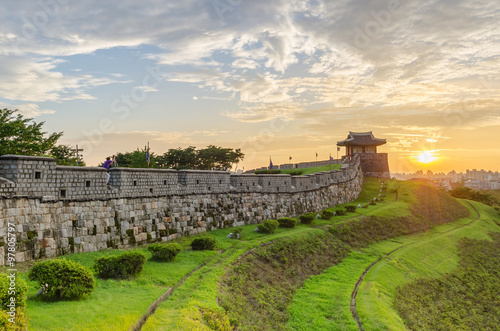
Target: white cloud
[[276, 58], [29, 110]]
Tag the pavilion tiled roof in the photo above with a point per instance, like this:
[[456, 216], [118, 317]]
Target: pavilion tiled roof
[[361, 139]]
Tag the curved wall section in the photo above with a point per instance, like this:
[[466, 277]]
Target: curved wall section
[[58, 210]]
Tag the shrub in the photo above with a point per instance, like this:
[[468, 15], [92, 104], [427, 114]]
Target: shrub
[[373, 203], [120, 266], [340, 212], [64, 279], [295, 172], [350, 208], [287, 222], [20, 289], [21, 320], [307, 218], [165, 252], [203, 244], [326, 214], [268, 226]]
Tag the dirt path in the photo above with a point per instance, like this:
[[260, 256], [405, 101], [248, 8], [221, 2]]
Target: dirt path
[[151, 309], [365, 272]]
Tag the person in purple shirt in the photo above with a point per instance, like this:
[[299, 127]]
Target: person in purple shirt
[[108, 164]]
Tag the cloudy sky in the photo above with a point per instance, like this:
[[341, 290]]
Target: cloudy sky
[[276, 78]]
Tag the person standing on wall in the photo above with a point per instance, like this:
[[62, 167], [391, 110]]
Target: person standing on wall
[[107, 164]]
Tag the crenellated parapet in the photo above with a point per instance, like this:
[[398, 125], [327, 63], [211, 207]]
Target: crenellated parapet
[[39, 177]]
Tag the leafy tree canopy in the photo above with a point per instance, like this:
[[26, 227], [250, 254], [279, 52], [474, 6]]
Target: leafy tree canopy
[[212, 157], [65, 156], [136, 159], [468, 193], [22, 136]]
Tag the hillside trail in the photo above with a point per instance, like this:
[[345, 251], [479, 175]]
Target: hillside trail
[[152, 308], [365, 272]]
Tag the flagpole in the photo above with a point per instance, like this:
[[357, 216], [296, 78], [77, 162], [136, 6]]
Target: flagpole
[[148, 156], [330, 161]]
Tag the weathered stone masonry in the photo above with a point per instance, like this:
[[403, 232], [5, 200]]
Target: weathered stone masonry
[[58, 210]]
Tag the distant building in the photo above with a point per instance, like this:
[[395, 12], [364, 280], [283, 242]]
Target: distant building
[[365, 144]]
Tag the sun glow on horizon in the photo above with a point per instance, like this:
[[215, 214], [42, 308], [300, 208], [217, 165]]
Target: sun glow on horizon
[[426, 157]]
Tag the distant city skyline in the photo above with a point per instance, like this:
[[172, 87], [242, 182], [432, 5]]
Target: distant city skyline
[[274, 78]]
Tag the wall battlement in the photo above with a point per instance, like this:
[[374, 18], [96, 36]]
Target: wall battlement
[[39, 177], [58, 210]]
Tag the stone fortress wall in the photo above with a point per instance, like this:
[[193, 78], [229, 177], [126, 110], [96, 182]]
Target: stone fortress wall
[[58, 209], [373, 164]]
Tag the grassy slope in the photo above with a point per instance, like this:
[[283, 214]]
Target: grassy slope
[[308, 171], [429, 255], [323, 302], [114, 305], [200, 291], [182, 310]]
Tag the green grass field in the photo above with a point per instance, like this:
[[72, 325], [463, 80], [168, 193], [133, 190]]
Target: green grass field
[[323, 303]]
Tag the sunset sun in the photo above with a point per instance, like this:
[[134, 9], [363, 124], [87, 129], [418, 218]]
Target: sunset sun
[[425, 157]]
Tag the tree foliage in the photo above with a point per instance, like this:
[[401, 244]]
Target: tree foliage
[[137, 159], [468, 193], [219, 158], [22, 136], [178, 158], [212, 157], [65, 156]]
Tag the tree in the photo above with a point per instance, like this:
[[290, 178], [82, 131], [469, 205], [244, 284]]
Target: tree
[[21, 136], [136, 159], [178, 158], [65, 156], [214, 157]]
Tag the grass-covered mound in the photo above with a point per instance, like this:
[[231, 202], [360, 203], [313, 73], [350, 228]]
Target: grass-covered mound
[[465, 299], [429, 207], [259, 289]]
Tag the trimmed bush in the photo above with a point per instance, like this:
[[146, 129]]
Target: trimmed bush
[[287, 222], [340, 212], [372, 203], [326, 214], [203, 244], [350, 208], [268, 226], [65, 279], [121, 266], [164, 252], [307, 218], [20, 288], [21, 320]]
